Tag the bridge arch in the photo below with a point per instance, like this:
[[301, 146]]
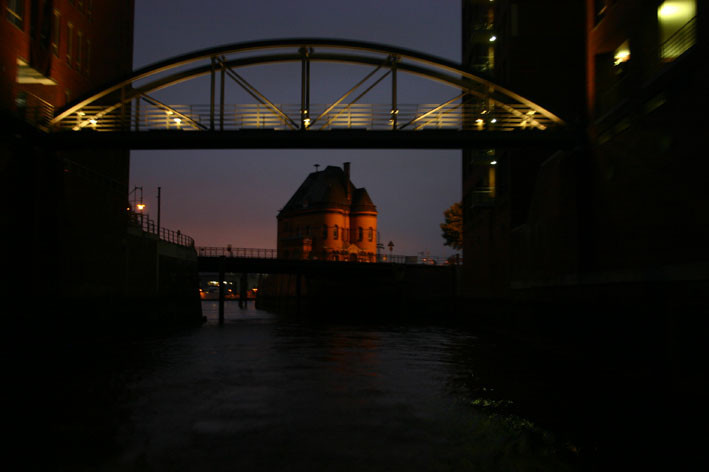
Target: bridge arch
[[477, 103]]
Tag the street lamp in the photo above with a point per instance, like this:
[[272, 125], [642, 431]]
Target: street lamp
[[137, 204]]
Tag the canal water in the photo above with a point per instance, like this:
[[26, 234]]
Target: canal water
[[269, 393]]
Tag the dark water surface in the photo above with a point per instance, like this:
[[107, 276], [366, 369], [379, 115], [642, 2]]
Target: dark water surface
[[266, 393]]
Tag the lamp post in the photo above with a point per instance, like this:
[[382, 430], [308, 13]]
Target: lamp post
[[391, 248], [157, 252], [137, 204]]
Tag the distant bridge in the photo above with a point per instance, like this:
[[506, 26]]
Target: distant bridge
[[264, 261], [479, 113]]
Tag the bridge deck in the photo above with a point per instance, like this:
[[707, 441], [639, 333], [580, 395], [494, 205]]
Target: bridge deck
[[332, 139], [254, 265]]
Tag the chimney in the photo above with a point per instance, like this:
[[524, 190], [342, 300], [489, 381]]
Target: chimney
[[346, 167]]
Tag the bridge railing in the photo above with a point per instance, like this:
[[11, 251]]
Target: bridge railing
[[255, 253], [458, 116], [250, 253]]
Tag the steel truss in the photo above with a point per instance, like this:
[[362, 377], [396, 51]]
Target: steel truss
[[477, 104]]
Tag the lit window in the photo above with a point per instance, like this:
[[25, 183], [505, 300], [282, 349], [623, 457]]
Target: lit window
[[16, 12], [676, 19], [56, 32], [622, 54]]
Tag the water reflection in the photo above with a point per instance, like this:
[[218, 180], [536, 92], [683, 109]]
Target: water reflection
[[264, 393]]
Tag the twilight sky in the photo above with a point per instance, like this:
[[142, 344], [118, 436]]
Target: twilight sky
[[233, 196]]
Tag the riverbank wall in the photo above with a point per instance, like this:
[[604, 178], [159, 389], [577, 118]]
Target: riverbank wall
[[73, 262], [363, 292]]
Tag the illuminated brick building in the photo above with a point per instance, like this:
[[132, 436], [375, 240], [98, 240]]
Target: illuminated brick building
[[328, 218], [54, 51]]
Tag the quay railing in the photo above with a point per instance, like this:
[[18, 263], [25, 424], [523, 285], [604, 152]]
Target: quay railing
[[149, 226]]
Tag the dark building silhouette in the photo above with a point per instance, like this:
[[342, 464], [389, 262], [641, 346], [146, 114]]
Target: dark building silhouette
[[620, 215], [526, 49], [66, 219], [600, 251]]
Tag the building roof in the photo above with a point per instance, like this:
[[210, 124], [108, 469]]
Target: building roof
[[329, 188]]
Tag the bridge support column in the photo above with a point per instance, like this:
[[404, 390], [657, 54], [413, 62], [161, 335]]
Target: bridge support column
[[222, 275], [211, 93], [243, 290], [394, 93], [221, 95], [305, 89]]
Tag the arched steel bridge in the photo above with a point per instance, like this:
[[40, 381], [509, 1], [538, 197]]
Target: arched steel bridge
[[479, 113]]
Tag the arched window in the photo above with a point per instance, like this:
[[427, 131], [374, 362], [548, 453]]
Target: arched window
[[360, 234], [324, 231], [370, 234], [335, 232]]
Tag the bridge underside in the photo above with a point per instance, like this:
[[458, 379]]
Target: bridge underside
[[331, 139]]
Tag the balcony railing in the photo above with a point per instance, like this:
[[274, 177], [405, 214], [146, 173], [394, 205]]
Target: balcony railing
[[35, 111], [680, 41], [661, 56]]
